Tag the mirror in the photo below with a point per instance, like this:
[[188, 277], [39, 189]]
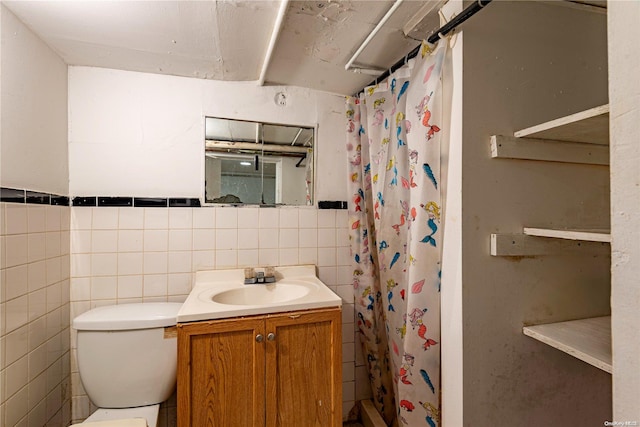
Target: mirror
[[258, 163]]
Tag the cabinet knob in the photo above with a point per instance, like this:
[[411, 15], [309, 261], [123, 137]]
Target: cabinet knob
[[271, 336], [259, 338]]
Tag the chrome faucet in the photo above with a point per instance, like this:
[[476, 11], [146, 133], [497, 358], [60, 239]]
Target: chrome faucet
[[251, 276]]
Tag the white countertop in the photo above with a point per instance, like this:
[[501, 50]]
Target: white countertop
[[219, 294]]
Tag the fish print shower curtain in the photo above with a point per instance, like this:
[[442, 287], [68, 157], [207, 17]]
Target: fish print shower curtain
[[393, 144]]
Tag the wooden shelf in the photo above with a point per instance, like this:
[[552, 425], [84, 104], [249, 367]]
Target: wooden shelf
[[590, 126], [585, 235], [587, 339]]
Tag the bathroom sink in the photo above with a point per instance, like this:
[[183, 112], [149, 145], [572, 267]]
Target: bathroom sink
[[262, 294], [219, 294]]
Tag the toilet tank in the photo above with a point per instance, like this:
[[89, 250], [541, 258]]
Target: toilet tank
[[125, 356]]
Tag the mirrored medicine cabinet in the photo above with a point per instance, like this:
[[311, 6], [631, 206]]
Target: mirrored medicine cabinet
[[257, 163]]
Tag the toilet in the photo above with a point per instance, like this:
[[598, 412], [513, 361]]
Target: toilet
[[127, 361]]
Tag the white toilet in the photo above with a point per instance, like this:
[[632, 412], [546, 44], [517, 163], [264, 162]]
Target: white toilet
[[127, 362]]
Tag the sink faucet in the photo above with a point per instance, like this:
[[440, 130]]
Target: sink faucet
[[251, 276]]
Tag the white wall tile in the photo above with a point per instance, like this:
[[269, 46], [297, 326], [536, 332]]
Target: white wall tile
[[81, 265], [227, 239], [248, 217], [130, 240], [16, 313], [288, 217], [53, 218], [36, 247], [130, 263], [179, 262], [288, 238], [155, 263], [80, 288], [104, 264], [268, 257], [308, 238], [346, 293], [131, 218], [16, 376], [226, 258], [53, 244], [248, 238], [326, 257], [328, 276], [204, 218], [203, 260], [16, 250], [180, 218], [37, 304], [269, 218], [204, 239], [288, 256], [81, 242], [179, 284], [54, 270], [326, 218], [307, 218], [348, 332], [37, 361], [326, 238], [226, 217], [105, 218], [16, 407], [248, 257], [36, 219], [156, 240], [15, 282], [345, 275], [130, 286], [15, 219], [156, 218], [104, 240], [342, 237], [180, 240], [308, 255], [343, 256], [37, 333], [16, 344], [81, 218], [342, 218], [155, 285], [268, 238], [104, 287]]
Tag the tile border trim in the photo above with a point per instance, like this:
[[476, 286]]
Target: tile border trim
[[14, 195]]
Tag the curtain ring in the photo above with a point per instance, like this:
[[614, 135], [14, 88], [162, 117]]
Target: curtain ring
[[480, 3], [441, 36]]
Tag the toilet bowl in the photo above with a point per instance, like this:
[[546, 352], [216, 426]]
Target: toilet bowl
[[127, 360]]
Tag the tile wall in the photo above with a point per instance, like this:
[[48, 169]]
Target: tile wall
[[126, 254], [34, 315]]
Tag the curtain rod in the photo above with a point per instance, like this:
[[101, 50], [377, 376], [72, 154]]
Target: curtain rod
[[442, 31]]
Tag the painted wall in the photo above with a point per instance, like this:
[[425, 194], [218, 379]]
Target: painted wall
[[516, 76], [34, 240], [137, 134], [34, 112], [624, 102]]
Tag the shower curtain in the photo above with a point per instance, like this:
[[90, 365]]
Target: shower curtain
[[393, 144]]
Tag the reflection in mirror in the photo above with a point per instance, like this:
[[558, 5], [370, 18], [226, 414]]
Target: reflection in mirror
[[258, 163]]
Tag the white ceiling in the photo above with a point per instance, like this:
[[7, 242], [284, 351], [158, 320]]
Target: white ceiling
[[227, 39]]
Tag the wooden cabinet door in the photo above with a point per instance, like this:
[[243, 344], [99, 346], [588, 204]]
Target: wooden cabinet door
[[221, 373], [304, 369]]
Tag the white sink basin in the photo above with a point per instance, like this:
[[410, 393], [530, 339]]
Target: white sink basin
[[222, 293], [262, 294]]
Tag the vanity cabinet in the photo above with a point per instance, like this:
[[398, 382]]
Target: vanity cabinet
[[271, 370]]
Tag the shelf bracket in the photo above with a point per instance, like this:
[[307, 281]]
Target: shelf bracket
[[548, 150], [517, 245]]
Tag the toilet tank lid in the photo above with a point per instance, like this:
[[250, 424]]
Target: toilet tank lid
[[128, 316]]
